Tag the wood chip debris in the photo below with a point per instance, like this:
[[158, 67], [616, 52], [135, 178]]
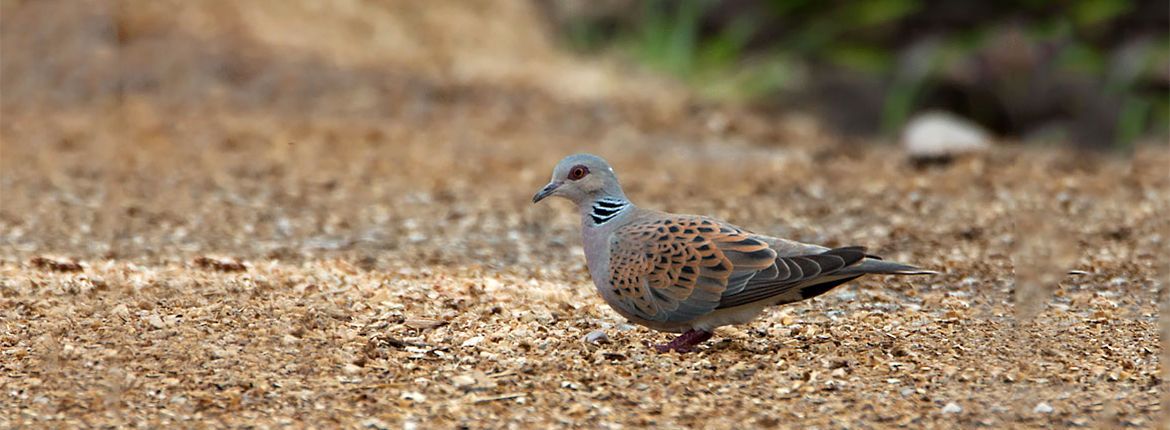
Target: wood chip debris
[[222, 264], [56, 264]]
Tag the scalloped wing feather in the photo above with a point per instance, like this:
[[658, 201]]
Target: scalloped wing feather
[[676, 268]]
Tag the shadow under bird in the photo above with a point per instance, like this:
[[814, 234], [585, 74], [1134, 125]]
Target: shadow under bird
[[689, 273]]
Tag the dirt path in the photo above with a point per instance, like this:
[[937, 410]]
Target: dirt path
[[418, 285]]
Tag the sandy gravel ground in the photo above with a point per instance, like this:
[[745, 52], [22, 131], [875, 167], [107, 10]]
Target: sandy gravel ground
[[233, 265]]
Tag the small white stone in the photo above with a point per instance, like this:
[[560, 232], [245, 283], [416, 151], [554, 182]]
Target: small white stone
[[463, 381], [597, 336], [121, 310], [376, 424], [952, 408], [156, 321], [414, 396], [940, 134], [1042, 408], [473, 341], [289, 339]]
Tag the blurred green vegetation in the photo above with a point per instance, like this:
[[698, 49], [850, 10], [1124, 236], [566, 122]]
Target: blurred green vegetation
[[1096, 72]]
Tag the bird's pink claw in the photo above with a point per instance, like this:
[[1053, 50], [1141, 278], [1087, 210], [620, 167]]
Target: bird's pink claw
[[685, 342]]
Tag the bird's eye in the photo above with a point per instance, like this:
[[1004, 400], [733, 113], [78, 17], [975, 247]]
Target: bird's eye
[[578, 172]]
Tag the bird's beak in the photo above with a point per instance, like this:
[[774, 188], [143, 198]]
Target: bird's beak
[[546, 191]]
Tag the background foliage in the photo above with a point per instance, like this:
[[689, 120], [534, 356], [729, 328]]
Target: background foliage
[[1093, 72]]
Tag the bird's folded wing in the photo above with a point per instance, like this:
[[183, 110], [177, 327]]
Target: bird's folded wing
[[675, 268], [798, 278]]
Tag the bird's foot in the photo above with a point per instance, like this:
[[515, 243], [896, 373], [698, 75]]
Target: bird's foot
[[685, 342]]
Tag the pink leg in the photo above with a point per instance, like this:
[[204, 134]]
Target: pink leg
[[685, 342]]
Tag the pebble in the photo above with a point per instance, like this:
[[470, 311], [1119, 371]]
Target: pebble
[[289, 339], [422, 323], [1042, 408], [156, 321], [462, 381], [473, 341], [121, 310], [952, 408], [414, 396], [376, 424], [217, 353], [940, 134], [597, 336]]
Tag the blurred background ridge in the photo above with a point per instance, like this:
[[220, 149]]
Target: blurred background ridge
[[345, 57], [1091, 72]]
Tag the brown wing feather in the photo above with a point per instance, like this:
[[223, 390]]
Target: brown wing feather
[[676, 268]]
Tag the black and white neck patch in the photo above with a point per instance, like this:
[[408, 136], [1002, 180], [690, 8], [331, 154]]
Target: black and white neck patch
[[606, 209]]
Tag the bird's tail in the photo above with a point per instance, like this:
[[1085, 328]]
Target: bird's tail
[[872, 265]]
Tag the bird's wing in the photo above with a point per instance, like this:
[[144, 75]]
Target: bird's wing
[[798, 278], [674, 268]]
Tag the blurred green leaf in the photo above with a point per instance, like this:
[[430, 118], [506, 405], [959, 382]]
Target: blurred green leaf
[[1087, 13], [875, 12], [583, 35], [750, 80], [669, 36], [726, 48], [1081, 58], [1132, 121], [1160, 116], [787, 7], [861, 57]]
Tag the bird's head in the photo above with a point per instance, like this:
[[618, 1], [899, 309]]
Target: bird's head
[[582, 179]]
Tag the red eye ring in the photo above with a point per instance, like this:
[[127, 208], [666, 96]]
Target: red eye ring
[[578, 172]]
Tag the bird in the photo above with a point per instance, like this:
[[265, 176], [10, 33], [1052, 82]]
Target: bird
[[690, 274]]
